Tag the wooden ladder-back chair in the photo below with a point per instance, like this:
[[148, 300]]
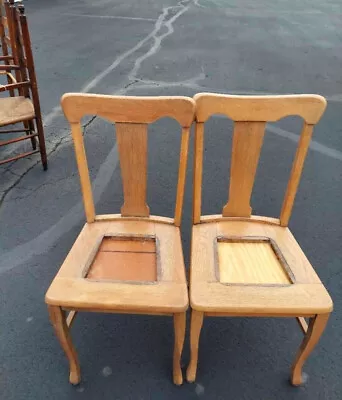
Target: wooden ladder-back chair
[[133, 262], [23, 103], [246, 265]]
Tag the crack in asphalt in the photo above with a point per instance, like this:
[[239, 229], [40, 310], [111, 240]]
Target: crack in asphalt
[[19, 254], [165, 19], [61, 141]]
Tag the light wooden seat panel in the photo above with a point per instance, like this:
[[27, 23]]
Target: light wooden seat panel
[[71, 289], [306, 295], [245, 265]]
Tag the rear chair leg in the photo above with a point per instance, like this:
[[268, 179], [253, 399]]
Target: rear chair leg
[[29, 125], [58, 320], [179, 321], [195, 330], [41, 139], [315, 329]]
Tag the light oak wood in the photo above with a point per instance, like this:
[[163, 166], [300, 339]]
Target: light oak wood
[[132, 146], [198, 172], [195, 331], [303, 324], [82, 164], [250, 113], [183, 160], [70, 318], [127, 259], [315, 329], [179, 321], [151, 218], [260, 108], [250, 262], [296, 173], [128, 109], [252, 218], [247, 142], [130, 262], [58, 320], [246, 265]]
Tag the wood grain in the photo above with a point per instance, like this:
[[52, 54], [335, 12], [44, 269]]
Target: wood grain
[[315, 329], [183, 160], [179, 322], [247, 142], [260, 108], [195, 331], [132, 146], [269, 278], [296, 173], [58, 320], [128, 109], [83, 171], [244, 262], [198, 173]]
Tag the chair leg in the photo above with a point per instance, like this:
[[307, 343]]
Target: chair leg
[[58, 320], [195, 330], [315, 329], [42, 148], [179, 321], [29, 125]]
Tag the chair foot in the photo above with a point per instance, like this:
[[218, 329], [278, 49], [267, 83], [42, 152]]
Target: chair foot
[[179, 321], [315, 329], [75, 377], [58, 320], [195, 330]]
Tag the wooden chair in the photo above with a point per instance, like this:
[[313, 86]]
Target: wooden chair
[[133, 262], [246, 265], [23, 103]]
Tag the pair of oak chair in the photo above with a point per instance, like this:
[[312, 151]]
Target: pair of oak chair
[[241, 264]]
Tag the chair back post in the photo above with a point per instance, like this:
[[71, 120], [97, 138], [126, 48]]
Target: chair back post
[[296, 173], [198, 172], [183, 161], [250, 115], [131, 116], [83, 170], [12, 20], [6, 57]]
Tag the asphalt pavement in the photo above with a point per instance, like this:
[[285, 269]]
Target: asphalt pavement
[[165, 47]]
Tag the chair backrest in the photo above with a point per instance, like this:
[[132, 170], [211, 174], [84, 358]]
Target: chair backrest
[[250, 114], [131, 116], [5, 27]]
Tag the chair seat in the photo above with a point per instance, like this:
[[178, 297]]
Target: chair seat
[[15, 109], [123, 266], [252, 268]]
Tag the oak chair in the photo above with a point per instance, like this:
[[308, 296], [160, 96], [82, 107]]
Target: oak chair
[[22, 105], [247, 265], [133, 262]]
